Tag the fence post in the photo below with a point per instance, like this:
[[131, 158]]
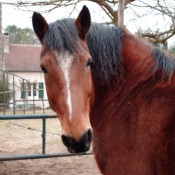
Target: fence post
[[14, 109], [44, 136], [4, 84]]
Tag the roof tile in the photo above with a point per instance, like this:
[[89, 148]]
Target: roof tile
[[23, 58]]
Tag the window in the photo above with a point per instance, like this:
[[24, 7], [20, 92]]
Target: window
[[34, 89], [28, 90], [23, 90], [41, 89]]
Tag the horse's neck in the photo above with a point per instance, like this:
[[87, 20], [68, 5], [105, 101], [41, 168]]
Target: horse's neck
[[138, 58], [138, 65]]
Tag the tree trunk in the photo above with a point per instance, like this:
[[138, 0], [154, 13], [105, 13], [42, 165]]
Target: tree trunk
[[121, 4]]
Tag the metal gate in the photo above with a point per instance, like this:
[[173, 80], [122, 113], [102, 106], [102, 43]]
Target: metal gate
[[43, 154]]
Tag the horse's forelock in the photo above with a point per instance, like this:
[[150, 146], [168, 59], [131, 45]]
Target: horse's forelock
[[62, 36]]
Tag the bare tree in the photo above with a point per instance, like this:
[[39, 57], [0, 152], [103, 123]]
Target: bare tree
[[137, 9], [165, 13]]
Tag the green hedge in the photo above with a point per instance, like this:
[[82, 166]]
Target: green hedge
[[4, 87]]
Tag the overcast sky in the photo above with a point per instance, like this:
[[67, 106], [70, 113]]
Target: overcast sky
[[12, 15]]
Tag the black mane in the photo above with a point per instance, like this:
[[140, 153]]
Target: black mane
[[165, 62], [104, 44]]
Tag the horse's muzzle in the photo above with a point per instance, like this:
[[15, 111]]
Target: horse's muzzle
[[80, 146]]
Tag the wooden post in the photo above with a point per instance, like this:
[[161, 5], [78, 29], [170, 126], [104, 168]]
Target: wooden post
[[1, 40], [121, 6]]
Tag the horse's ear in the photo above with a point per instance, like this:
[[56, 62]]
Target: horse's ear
[[40, 25], [83, 22]]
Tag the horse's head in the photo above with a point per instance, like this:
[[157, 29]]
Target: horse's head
[[65, 61]]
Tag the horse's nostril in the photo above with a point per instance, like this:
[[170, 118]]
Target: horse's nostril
[[82, 145], [67, 141], [89, 133]]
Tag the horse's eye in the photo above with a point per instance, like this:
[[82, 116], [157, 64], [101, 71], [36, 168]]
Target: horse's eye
[[90, 62], [43, 69]]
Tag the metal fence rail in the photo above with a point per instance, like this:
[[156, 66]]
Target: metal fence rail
[[43, 152]]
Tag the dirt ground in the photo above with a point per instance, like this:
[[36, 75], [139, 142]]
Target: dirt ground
[[24, 137]]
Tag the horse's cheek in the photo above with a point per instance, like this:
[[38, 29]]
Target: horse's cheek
[[51, 92]]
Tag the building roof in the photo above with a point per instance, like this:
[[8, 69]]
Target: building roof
[[22, 58]]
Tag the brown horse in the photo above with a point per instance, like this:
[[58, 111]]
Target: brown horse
[[104, 77]]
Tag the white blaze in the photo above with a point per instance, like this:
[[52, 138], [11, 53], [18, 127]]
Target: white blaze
[[65, 62]]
